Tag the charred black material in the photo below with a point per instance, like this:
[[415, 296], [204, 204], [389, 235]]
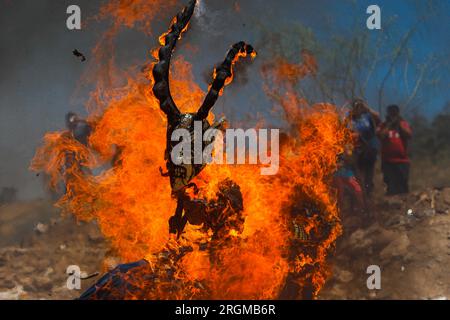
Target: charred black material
[[142, 280], [161, 88], [78, 54], [223, 72], [116, 284], [181, 175], [79, 128], [299, 284]]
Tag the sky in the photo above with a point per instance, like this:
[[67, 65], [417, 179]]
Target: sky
[[39, 75]]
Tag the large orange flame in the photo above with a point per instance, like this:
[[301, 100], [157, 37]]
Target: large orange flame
[[132, 202]]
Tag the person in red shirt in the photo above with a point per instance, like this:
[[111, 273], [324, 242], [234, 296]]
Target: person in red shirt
[[346, 183], [394, 135]]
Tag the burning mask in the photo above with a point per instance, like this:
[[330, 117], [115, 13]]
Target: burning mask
[[181, 175]]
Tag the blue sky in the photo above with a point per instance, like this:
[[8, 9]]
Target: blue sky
[[432, 37]]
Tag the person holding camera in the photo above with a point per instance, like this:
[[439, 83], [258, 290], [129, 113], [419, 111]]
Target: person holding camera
[[394, 135], [364, 122]]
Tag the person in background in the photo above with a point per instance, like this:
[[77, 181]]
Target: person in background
[[346, 183], [394, 135], [78, 128], [364, 123]]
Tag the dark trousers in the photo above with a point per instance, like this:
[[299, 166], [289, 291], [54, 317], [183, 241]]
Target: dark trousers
[[396, 177], [365, 167]]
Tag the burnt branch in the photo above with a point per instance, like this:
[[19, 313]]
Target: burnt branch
[[161, 88], [222, 76]]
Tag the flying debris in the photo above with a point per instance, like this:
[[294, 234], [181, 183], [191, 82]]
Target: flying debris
[[78, 54]]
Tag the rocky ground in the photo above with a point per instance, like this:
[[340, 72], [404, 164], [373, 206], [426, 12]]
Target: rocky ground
[[35, 253], [408, 237]]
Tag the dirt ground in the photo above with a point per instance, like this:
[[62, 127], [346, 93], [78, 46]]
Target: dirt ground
[[408, 237], [37, 246]]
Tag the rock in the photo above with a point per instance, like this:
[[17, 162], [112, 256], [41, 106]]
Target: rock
[[13, 294], [398, 247], [343, 275], [439, 298], [41, 227], [359, 239], [429, 212]]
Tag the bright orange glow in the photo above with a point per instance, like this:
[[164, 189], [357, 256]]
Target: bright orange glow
[[132, 202]]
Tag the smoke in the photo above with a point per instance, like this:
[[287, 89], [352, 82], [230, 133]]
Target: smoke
[[40, 77], [39, 74], [207, 19], [200, 9]]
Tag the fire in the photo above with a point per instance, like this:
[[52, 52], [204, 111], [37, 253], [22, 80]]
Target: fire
[[308, 162], [134, 13], [131, 200]]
